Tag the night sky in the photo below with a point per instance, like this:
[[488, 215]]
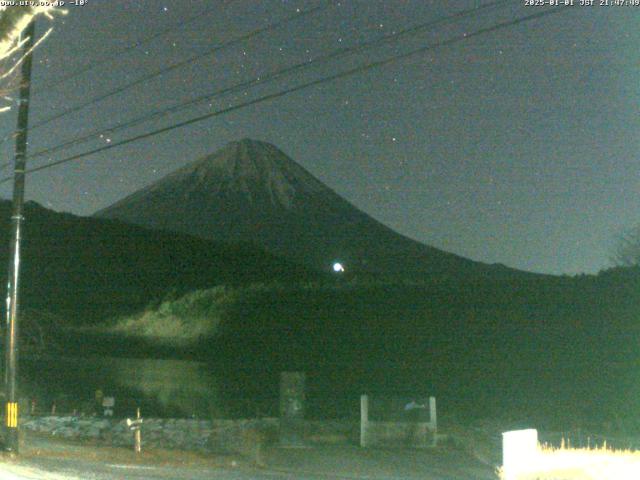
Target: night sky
[[518, 146]]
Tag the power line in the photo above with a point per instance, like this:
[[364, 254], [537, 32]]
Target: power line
[[299, 87], [270, 77], [117, 53], [312, 83], [181, 64]]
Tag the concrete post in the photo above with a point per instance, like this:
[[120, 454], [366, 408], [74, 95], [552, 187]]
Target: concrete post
[[292, 404], [433, 417], [364, 419], [433, 421], [135, 426], [137, 435]]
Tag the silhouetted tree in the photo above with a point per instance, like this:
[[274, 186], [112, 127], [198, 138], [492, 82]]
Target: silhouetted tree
[[627, 249], [13, 21]]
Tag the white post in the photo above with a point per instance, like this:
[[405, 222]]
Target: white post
[[364, 419], [433, 417], [519, 452], [137, 434]]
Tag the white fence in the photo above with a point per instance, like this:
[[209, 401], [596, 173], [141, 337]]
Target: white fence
[[410, 432]]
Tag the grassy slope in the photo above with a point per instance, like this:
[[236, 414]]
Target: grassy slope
[[179, 322]]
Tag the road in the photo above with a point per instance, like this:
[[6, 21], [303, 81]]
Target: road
[[81, 470], [48, 460], [49, 469]]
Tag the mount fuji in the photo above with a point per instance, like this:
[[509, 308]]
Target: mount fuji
[[251, 191]]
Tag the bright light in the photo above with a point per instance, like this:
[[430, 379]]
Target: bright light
[[519, 448], [338, 268], [522, 459]]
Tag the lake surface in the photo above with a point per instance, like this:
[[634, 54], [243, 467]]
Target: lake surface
[[170, 388]]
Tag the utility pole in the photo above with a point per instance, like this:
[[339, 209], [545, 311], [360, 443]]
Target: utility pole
[[11, 334]]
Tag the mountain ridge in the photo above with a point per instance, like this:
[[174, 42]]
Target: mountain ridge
[[251, 190]]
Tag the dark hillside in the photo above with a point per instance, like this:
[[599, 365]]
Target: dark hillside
[[554, 350], [90, 269]]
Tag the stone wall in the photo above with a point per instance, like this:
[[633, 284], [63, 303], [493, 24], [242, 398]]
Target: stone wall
[[221, 436], [244, 437]]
